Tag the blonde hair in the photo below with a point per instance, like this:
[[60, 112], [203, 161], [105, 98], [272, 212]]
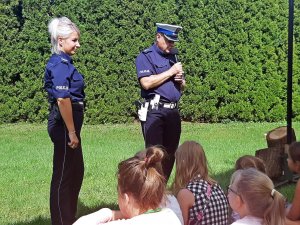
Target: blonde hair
[[190, 162], [249, 161], [257, 191], [142, 178], [60, 27]]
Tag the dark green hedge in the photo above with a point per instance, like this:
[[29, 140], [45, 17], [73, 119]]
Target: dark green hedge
[[234, 55]]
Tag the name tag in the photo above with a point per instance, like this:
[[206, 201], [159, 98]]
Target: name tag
[[62, 88], [144, 71]]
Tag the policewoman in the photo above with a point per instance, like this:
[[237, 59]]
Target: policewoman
[[161, 78], [65, 87]]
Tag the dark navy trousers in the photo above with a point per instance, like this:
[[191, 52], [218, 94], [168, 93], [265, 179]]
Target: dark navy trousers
[[163, 127], [68, 169]]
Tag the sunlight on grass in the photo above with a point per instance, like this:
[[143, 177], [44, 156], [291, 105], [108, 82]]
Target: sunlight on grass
[[26, 162]]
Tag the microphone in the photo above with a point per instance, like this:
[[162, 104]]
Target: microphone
[[174, 51]]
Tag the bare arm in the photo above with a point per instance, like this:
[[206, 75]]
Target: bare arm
[[158, 79], [99, 217], [293, 213], [117, 215], [65, 108], [290, 222], [186, 200]]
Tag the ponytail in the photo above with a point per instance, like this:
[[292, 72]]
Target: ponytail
[[273, 214], [60, 27], [258, 193], [143, 178]]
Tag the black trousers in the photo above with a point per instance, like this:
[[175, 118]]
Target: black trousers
[[163, 127], [68, 169]]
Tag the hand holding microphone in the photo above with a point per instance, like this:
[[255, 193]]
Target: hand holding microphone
[[179, 77], [177, 67]]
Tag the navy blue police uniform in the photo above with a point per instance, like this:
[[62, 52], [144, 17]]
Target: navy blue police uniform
[[62, 80], [163, 123]]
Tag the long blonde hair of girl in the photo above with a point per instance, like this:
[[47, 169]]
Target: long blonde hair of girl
[[190, 162], [257, 191]]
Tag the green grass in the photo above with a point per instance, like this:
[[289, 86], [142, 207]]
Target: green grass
[[26, 162]]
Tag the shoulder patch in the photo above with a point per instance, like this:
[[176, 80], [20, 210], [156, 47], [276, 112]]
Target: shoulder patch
[[63, 60], [147, 50]]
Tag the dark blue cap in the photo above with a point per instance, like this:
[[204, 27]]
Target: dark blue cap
[[169, 31]]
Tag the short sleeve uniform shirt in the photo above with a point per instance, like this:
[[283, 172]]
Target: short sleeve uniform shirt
[[62, 80], [153, 61]]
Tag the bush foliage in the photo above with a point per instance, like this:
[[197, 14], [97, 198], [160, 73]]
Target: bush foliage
[[234, 55]]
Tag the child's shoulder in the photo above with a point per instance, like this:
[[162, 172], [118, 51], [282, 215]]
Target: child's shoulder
[[298, 186]]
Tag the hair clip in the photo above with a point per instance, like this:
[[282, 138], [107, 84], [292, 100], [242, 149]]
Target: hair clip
[[272, 192]]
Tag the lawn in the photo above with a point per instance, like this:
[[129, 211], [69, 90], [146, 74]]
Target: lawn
[[26, 162]]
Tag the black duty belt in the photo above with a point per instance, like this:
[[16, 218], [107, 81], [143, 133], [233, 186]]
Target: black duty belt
[[168, 105], [78, 105], [75, 105]]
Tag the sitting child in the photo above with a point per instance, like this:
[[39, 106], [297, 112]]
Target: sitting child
[[244, 162], [249, 161], [170, 201], [252, 195], [201, 199], [293, 211], [141, 190]]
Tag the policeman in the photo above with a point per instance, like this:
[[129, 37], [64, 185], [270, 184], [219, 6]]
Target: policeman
[[161, 79], [65, 87]]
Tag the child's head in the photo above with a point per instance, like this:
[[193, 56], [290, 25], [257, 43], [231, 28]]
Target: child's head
[[294, 157], [143, 154], [140, 184], [249, 161], [252, 193], [190, 162]]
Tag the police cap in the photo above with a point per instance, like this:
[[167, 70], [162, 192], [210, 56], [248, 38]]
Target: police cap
[[169, 31]]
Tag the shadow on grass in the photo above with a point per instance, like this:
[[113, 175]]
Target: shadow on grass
[[224, 178], [82, 210], [37, 221]]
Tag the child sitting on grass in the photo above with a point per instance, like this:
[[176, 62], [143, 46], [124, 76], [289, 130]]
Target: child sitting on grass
[[252, 195], [293, 211], [250, 161], [170, 201], [141, 190], [201, 199], [244, 162]]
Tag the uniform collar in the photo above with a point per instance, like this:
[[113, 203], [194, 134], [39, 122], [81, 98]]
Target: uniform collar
[[158, 50], [65, 57]]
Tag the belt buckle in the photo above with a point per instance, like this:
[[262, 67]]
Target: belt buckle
[[77, 103], [167, 105], [172, 105]]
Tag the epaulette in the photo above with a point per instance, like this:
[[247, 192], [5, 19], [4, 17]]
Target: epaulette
[[64, 60], [147, 50]]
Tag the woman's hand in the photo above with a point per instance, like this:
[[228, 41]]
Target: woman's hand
[[74, 142], [65, 108]]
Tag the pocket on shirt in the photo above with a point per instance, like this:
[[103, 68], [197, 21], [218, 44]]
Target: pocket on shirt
[[77, 76], [161, 67]]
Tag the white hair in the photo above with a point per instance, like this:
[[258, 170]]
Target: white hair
[[60, 27]]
